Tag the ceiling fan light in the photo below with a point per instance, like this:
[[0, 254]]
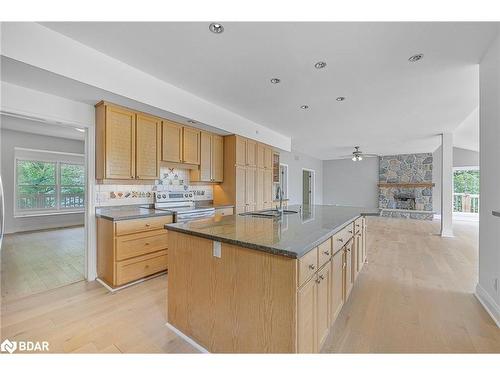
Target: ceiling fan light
[[354, 158], [360, 158]]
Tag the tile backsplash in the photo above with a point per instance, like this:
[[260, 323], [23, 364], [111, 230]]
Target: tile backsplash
[[172, 179]]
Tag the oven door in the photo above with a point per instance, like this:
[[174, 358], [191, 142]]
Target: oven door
[[183, 217]]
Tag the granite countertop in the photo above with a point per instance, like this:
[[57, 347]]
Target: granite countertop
[[292, 236], [116, 213]]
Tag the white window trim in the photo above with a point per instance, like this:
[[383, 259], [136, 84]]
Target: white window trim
[[48, 157], [313, 187]]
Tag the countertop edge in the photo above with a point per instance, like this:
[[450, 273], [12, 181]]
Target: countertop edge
[[263, 248]]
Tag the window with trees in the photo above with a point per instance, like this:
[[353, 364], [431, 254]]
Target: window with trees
[[466, 190], [49, 186]]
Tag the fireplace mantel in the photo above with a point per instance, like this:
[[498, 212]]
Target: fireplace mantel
[[406, 185]]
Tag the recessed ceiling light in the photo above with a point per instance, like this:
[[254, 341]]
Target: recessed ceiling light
[[192, 121], [275, 80], [340, 98], [80, 130], [216, 28], [304, 107], [416, 58], [320, 65]]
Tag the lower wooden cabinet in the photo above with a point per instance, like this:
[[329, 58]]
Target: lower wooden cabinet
[[322, 294], [130, 250], [226, 211]]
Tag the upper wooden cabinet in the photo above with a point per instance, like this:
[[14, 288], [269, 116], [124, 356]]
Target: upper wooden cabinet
[[251, 153], [127, 145], [190, 146], [147, 147], [261, 155], [241, 151], [171, 142], [268, 157], [211, 159]]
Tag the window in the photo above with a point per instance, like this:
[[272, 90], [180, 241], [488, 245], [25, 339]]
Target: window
[[284, 179], [47, 185], [466, 190]]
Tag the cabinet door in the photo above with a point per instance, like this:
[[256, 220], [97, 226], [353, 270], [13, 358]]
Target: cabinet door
[[217, 158], [120, 144], [250, 186], [261, 155], [240, 188], [268, 187], [323, 304], [363, 241], [251, 153], [190, 146], [268, 157], [348, 270], [241, 151], [306, 311], [205, 157], [171, 142], [259, 189], [337, 276], [147, 147]]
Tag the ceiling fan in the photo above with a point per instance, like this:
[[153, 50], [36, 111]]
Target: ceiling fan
[[358, 155]]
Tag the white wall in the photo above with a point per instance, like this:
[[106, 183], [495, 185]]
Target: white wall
[[11, 139], [349, 183], [489, 225], [461, 158], [296, 161]]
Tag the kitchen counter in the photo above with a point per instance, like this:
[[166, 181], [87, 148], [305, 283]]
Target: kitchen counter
[[292, 236], [117, 213]]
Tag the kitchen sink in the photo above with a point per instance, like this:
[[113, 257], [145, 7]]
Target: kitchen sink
[[269, 213]]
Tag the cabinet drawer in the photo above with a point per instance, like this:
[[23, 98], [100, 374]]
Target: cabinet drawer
[[224, 211], [324, 252], [358, 225], [141, 225], [138, 268], [308, 265], [342, 237], [133, 245]]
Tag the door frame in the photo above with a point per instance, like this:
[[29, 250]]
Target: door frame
[[313, 185]]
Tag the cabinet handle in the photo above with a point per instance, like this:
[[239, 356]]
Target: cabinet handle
[[148, 225], [321, 277], [340, 239], [312, 266], [318, 281], [326, 252], [350, 231], [147, 244]]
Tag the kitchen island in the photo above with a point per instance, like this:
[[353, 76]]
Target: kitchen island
[[245, 284]]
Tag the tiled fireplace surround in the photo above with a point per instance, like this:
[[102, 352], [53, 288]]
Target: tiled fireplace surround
[[405, 186]]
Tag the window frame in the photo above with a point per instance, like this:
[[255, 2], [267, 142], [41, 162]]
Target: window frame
[[48, 157]]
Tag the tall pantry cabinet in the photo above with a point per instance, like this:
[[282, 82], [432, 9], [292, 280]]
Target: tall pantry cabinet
[[247, 175]]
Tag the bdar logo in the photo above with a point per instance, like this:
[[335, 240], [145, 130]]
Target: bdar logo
[[8, 346]]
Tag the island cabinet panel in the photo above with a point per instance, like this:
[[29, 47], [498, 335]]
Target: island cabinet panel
[[171, 142], [306, 318], [241, 302], [338, 284], [348, 269], [363, 240], [308, 265], [324, 252], [323, 304], [357, 254]]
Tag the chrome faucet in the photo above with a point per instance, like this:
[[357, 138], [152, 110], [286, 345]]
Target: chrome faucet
[[279, 192]]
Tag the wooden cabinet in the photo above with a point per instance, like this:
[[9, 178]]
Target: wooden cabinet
[[127, 144], [190, 146], [338, 284], [349, 276], [306, 311], [171, 142], [130, 250], [148, 147], [211, 159], [246, 185], [268, 157], [224, 211], [240, 150], [357, 254], [276, 166], [323, 304], [363, 242]]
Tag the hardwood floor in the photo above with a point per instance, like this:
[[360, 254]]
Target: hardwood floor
[[34, 262], [414, 295]]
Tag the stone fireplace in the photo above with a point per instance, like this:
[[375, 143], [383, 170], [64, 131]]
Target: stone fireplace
[[405, 186]]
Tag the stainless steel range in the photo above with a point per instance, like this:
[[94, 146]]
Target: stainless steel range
[[182, 205]]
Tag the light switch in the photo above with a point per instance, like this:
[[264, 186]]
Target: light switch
[[217, 249]]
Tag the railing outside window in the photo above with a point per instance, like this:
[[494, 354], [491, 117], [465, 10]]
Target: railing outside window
[[463, 202]]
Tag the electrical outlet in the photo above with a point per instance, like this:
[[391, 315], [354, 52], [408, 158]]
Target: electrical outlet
[[217, 249]]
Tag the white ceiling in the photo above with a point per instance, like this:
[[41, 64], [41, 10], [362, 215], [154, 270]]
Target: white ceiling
[[26, 125], [393, 106]]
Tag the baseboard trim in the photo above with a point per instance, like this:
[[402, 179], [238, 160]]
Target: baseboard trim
[[187, 338], [112, 290], [488, 303]]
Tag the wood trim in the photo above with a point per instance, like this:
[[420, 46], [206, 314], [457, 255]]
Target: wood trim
[[407, 184]]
